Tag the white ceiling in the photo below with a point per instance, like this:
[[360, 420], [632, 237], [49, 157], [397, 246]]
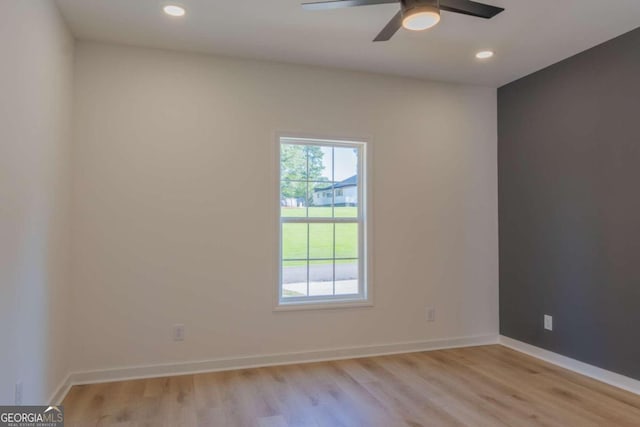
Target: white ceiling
[[528, 36]]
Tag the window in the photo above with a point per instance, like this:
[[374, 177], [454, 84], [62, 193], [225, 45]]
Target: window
[[323, 256]]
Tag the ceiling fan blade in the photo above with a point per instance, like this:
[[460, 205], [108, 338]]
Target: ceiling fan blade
[[390, 29], [468, 7], [334, 4]]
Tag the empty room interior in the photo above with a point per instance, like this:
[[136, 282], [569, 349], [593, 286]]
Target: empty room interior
[[280, 213]]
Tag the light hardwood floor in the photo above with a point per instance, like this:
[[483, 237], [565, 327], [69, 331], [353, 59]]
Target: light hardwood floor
[[479, 386]]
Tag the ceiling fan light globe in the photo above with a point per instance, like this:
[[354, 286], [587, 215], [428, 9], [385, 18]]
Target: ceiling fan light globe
[[420, 19]]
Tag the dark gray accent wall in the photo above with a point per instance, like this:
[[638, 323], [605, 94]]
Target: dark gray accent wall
[[569, 206]]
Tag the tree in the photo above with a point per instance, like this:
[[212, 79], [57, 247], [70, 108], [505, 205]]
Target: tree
[[299, 164]]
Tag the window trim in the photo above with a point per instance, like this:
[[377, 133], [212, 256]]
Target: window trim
[[365, 285]]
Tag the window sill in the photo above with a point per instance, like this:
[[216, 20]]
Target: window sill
[[322, 305]]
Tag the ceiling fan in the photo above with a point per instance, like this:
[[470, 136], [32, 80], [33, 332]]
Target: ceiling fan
[[414, 15]]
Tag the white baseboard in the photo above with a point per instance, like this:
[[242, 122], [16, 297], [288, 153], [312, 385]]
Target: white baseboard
[[185, 368], [582, 368], [61, 391]]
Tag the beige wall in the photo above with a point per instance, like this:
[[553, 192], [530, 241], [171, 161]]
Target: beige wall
[[174, 218], [36, 65]]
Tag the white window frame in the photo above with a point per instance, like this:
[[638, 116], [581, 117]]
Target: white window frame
[[364, 298]]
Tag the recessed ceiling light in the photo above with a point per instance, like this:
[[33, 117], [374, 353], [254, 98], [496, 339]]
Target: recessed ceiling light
[[484, 54], [174, 10]]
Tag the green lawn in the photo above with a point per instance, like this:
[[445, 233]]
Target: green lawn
[[320, 236], [320, 212]]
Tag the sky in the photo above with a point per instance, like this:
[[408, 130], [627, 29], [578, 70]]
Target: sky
[[344, 160]]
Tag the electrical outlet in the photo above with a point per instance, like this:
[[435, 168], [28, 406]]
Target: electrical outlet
[[431, 314], [178, 332], [548, 322], [18, 393]]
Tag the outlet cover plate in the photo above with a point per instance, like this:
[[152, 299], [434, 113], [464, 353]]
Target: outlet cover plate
[[548, 322], [18, 393], [431, 314], [178, 332]]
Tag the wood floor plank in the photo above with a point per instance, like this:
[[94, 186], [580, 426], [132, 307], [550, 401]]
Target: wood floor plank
[[529, 390], [590, 399], [479, 386]]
